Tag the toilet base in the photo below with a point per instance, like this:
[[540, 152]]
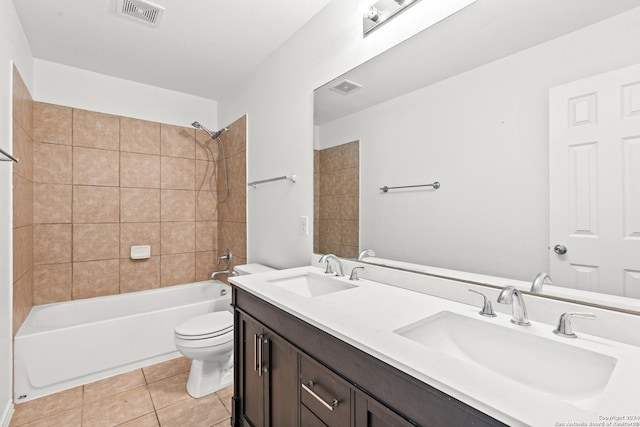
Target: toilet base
[[207, 377]]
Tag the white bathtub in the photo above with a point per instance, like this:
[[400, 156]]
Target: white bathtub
[[67, 344]]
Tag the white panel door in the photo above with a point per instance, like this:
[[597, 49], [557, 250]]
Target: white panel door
[[595, 183]]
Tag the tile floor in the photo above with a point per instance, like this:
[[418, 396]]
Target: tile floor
[[154, 396]]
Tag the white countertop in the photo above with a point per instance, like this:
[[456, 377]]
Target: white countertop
[[367, 315]]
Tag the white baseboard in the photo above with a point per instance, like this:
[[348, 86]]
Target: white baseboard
[[7, 412]]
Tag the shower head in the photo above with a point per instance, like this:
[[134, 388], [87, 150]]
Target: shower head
[[213, 135]]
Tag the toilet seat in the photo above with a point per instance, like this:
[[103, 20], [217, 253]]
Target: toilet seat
[[206, 326]]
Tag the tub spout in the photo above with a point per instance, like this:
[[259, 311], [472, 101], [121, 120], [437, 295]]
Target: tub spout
[[218, 273]]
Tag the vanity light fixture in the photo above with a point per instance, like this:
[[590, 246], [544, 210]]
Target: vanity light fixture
[[382, 11]]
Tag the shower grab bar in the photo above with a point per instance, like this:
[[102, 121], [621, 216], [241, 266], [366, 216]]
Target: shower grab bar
[[291, 178], [435, 186], [9, 158]]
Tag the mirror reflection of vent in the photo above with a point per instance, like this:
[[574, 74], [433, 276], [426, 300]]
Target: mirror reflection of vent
[[141, 10], [345, 87]]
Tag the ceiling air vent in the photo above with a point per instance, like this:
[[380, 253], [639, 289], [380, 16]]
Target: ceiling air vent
[[345, 87], [141, 10]]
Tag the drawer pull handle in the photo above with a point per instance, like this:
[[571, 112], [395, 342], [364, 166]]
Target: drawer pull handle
[[308, 388]]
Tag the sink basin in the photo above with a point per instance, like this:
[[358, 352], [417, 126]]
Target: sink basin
[[565, 371], [311, 285]]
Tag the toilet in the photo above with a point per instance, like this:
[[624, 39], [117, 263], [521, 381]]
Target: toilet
[[208, 340]]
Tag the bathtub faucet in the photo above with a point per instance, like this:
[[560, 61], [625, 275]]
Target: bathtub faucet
[[218, 273]]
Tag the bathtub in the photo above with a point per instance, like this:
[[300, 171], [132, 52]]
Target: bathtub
[[63, 345]]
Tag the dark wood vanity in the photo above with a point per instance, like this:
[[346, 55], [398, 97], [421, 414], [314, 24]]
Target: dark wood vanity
[[290, 373]]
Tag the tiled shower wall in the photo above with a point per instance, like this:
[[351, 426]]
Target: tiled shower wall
[[102, 183], [22, 201], [337, 200]]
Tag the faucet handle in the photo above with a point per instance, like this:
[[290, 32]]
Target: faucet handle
[[328, 270], [487, 308], [354, 273], [564, 328]]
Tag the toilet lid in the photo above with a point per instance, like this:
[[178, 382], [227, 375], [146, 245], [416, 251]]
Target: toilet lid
[[206, 325]]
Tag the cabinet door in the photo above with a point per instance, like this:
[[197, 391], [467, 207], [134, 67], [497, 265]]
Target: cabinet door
[[371, 413], [251, 373], [281, 363]]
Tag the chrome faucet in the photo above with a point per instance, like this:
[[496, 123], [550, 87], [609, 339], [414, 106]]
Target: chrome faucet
[[366, 253], [511, 295], [331, 257], [540, 279], [564, 328], [218, 273]]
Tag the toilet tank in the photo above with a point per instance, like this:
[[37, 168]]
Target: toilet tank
[[245, 269]]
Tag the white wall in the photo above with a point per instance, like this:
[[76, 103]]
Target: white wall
[[14, 48], [60, 84], [278, 100], [484, 135]]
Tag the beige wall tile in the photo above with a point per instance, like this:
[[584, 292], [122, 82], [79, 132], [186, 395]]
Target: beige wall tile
[[93, 204], [351, 181], [22, 201], [177, 141], [234, 209], [23, 151], [51, 243], [52, 163], [139, 136], [22, 103], [329, 231], [206, 236], [139, 170], [206, 148], [96, 130], [139, 205], [22, 251], [117, 409], [114, 385], [206, 207], [177, 237], [139, 275], [136, 234], [45, 406], [236, 170], [349, 232], [166, 369], [330, 159], [177, 205], [235, 139], [52, 283], [22, 299], [350, 155], [96, 278], [349, 207], [52, 203], [177, 269], [177, 173], [96, 242], [206, 263], [52, 123], [233, 236], [330, 207], [96, 167]]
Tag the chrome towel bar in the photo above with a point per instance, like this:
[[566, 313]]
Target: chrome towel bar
[[9, 157], [435, 186], [291, 178]]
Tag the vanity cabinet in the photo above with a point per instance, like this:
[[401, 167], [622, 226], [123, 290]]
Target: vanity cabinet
[[290, 373], [269, 367]]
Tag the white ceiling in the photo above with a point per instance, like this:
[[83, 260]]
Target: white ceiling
[[201, 47]]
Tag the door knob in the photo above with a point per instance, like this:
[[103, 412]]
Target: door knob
[[560, 249]]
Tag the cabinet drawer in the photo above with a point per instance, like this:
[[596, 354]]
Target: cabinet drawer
[[307, 419], [324, 393]]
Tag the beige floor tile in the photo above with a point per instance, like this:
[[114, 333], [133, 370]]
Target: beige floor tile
[[204, 412], [114, 385], [70, 418], [169, 391], [118, 408], [166, 369], [149, 420], [225, 423], [225, 396], [47, 406]]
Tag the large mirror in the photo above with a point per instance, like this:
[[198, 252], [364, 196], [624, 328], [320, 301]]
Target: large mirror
[[480, 103]]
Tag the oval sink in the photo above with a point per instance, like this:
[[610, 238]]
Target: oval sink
[[310, 284], [566, 371]]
